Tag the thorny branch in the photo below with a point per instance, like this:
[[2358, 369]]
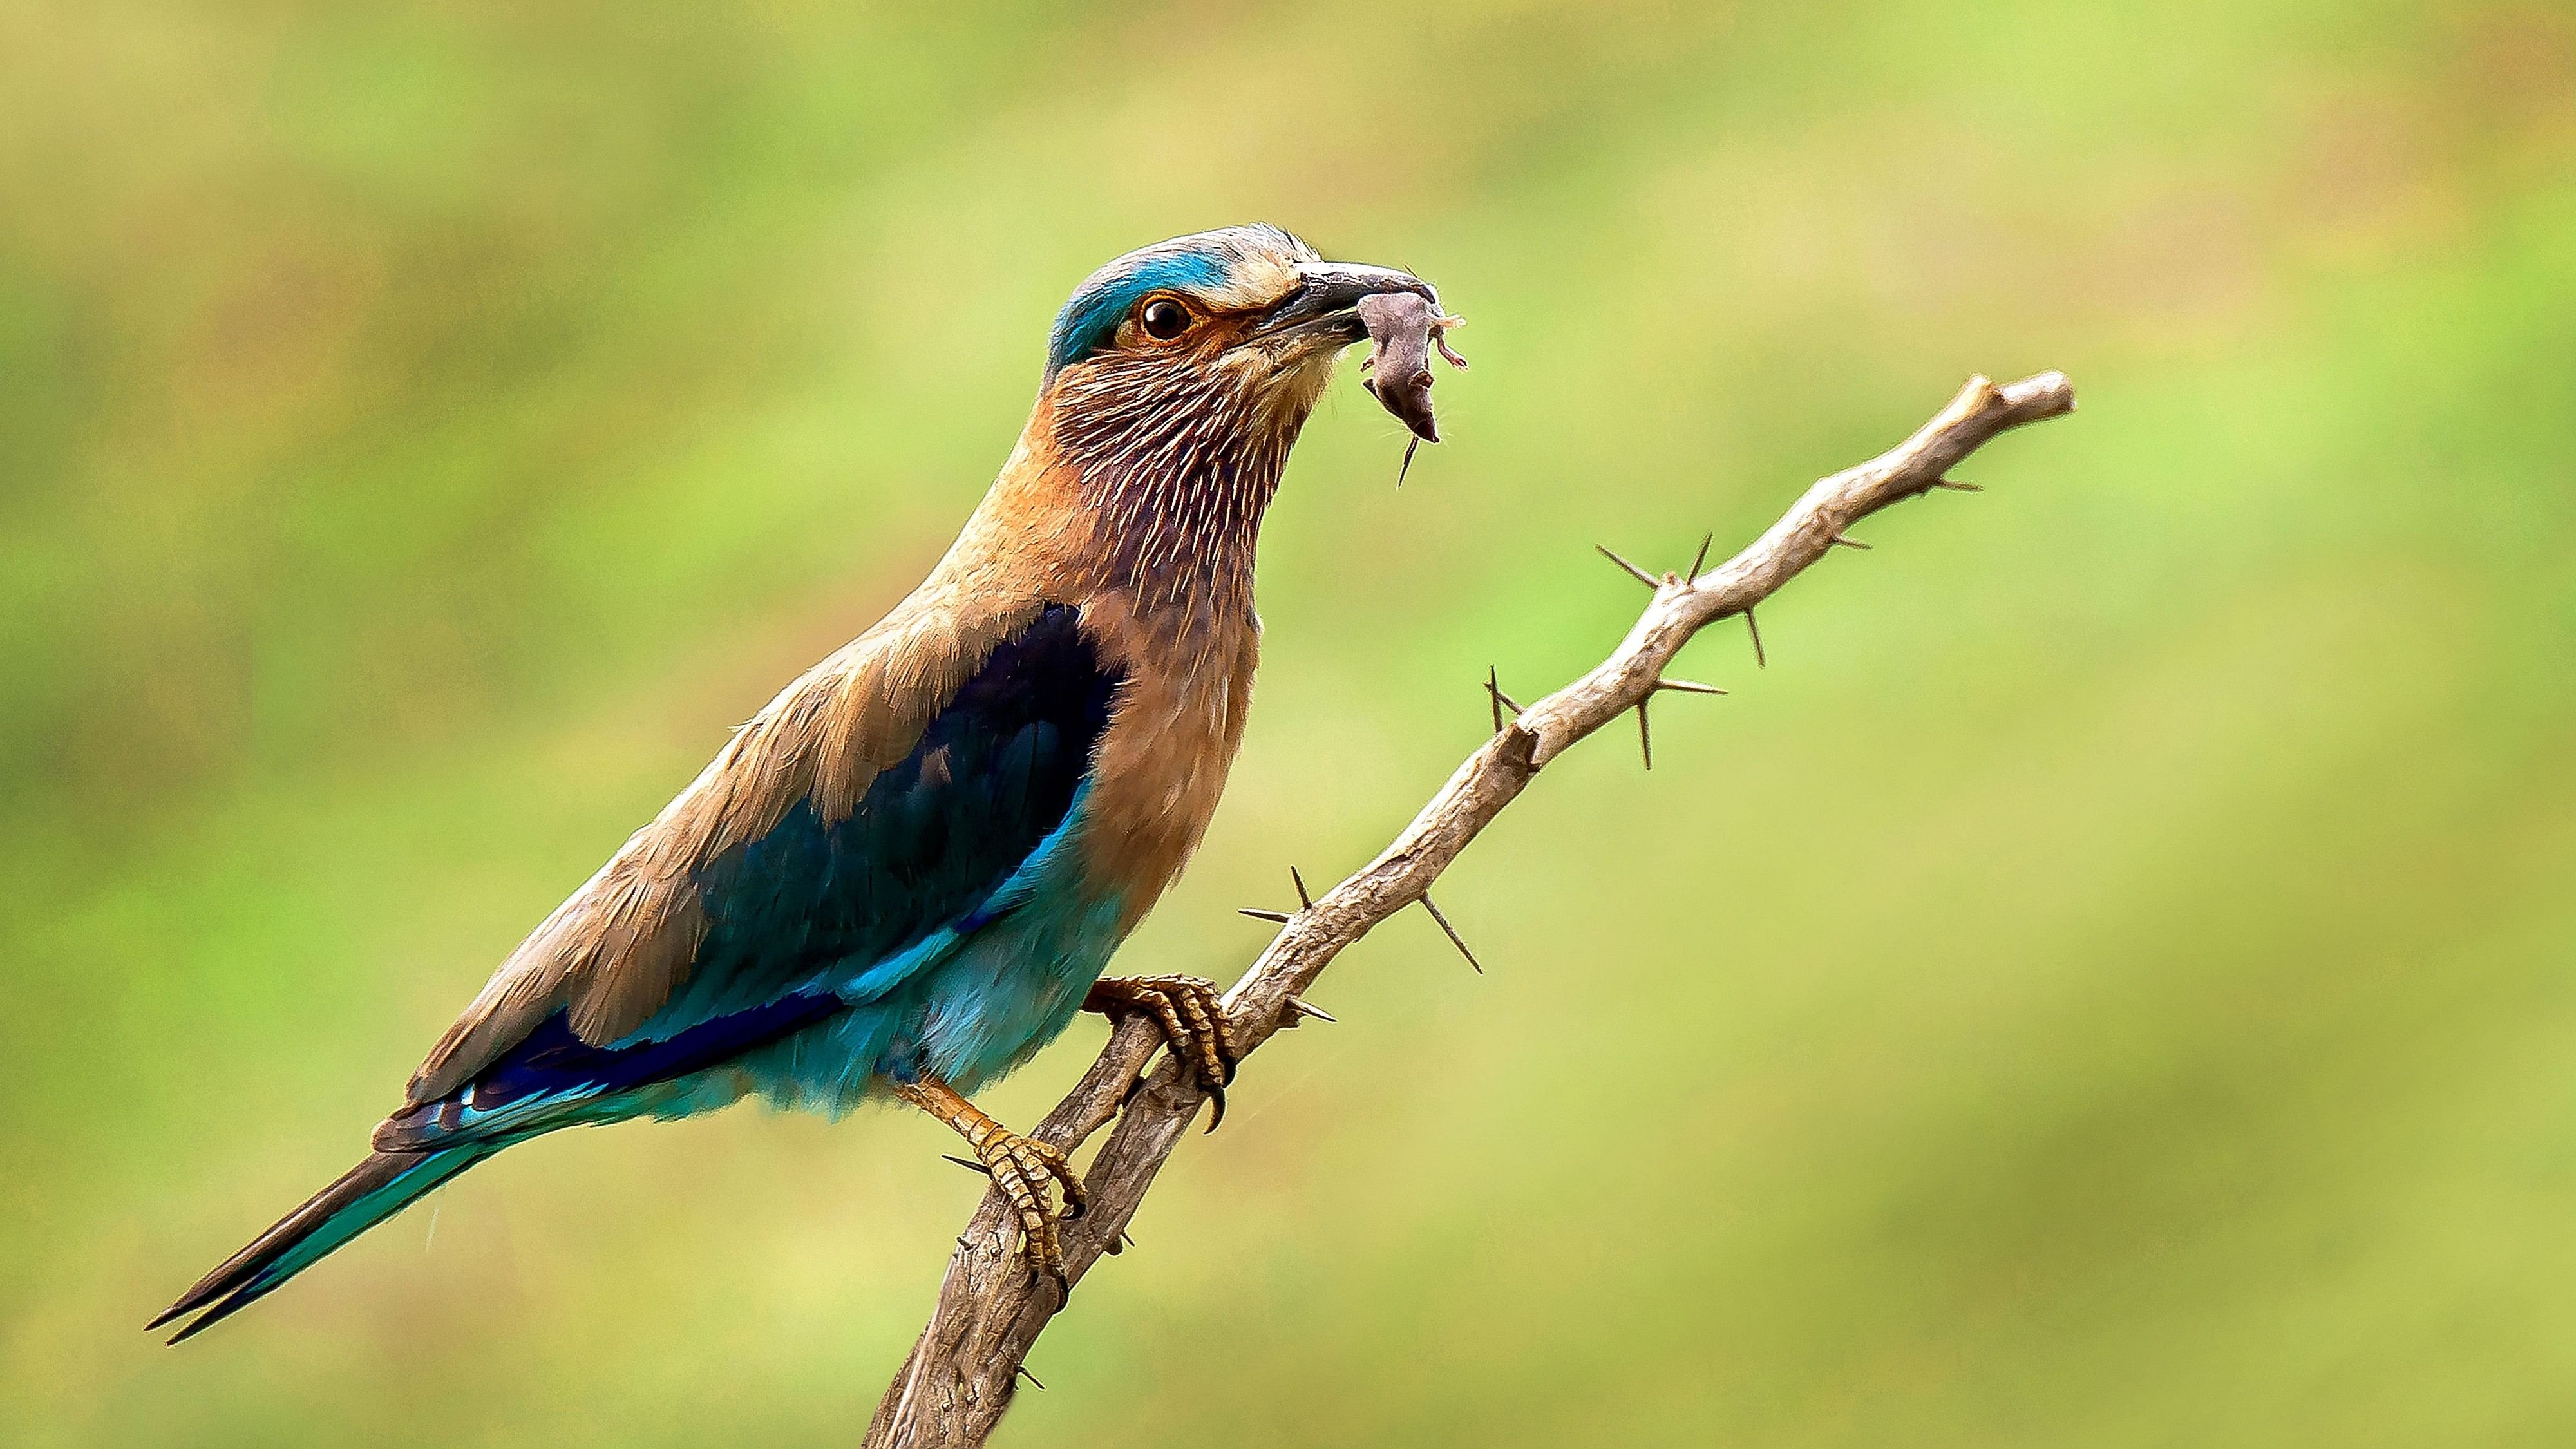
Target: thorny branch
[[960, 1376]]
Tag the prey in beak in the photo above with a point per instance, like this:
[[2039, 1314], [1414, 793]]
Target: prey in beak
[[1335, 304], [1405, 327]]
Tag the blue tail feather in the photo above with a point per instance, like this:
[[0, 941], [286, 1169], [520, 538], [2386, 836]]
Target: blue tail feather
[[364, 1196]]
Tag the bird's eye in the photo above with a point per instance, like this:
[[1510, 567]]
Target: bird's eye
[[1164, 319]]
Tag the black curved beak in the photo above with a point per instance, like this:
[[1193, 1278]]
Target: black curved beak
[[1325, 306]]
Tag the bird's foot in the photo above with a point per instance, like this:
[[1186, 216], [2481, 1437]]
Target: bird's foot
[[1191, 1012], [1024, 1168]]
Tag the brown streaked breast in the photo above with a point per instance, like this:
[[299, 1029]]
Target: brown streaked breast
[[1172, 737]]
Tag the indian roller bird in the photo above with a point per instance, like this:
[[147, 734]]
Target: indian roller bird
[[907, 872]]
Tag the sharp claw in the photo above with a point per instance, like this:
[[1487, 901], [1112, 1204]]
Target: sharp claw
[[1196, 1033], [1076, 1201]]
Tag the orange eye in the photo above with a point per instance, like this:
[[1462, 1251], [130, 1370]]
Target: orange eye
[[1163, 319]]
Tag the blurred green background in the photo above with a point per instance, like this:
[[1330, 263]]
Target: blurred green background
[[2107, 982]]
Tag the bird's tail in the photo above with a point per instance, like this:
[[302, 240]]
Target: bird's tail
[[365, 1195]]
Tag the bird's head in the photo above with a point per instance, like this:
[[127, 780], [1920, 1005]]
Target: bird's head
[[1178, 376], [1246, 303]]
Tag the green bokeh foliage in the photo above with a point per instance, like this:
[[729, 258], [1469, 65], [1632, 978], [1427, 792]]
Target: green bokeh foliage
[[2104, 983]]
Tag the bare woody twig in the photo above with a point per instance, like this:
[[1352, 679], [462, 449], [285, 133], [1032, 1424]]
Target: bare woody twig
[[959, 1378]]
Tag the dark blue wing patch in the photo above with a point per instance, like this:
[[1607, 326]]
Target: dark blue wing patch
[[553, 1065], [994, 775], [810, 905]]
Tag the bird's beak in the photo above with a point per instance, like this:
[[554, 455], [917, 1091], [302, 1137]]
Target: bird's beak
[[1324, 309]]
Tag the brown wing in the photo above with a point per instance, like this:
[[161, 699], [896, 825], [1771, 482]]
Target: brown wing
[[614, 953]]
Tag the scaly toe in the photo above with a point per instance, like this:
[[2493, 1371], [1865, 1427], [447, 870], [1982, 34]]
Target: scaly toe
[[1024, 1168], [1196, 1030]]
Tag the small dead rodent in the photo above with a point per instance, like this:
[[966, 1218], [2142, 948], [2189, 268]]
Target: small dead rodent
[[1404, 330]]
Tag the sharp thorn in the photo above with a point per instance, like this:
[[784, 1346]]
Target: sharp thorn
[[1842, 542], [1957, 487], [1703, 555], [1276, 917], [1501, 701], [1304, 901], [1755, 630], [1299, 1006], [1407, 465], [969, 1166], [1640, 575], [1452, 933], [1687, 686], [1645, 736], [1023, 1372]]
